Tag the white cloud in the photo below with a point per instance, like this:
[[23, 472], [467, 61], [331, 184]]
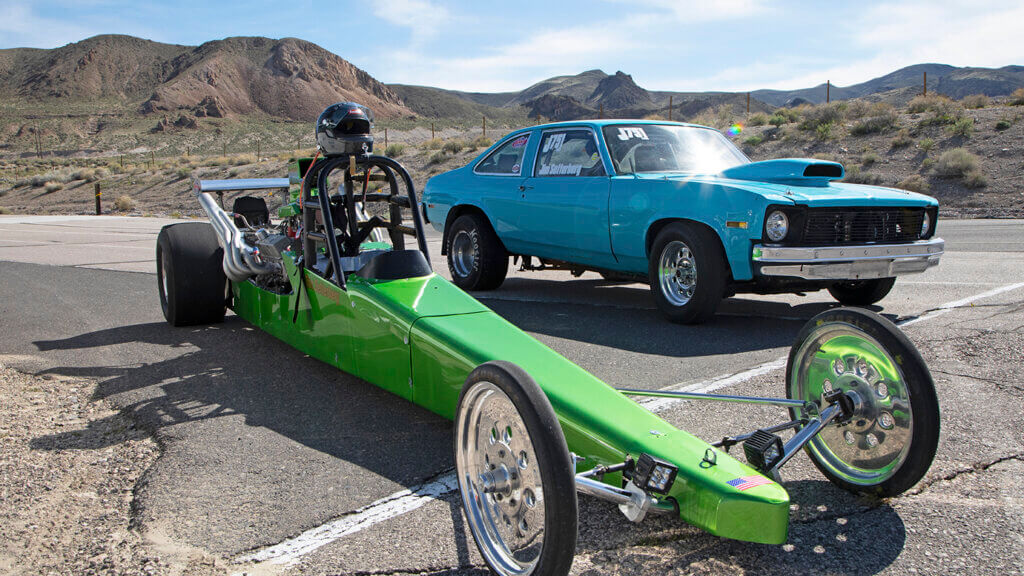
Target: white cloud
[[524, 60], [19, 26], [423, 19], [702, 11]]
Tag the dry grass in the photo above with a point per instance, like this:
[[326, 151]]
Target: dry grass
[[855, 175], [956, 162], [875, 124], [52, 186], [902, 139], [394, 150], [4, 210], [434, 144], [1017, 98], [453, 146]]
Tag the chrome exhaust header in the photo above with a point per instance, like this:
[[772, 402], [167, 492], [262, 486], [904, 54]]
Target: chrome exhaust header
[[241, 261]]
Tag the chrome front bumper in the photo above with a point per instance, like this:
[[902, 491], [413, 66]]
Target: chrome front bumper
[[848, 262]]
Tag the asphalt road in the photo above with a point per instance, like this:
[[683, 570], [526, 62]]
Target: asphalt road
[[274, 461]]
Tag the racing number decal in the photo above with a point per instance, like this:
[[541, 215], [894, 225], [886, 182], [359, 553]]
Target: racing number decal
[[630, 133], [554, 143]]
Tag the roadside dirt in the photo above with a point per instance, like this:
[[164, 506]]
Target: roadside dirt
[[69, 467]]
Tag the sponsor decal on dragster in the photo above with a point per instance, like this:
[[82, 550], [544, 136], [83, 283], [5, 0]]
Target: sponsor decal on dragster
[[322, 290], [630, 133], [748, 482]]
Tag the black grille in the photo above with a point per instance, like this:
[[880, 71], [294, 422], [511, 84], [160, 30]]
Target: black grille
[[830, 226]]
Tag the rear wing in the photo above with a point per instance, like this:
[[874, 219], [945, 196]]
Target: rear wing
[[221, 186]]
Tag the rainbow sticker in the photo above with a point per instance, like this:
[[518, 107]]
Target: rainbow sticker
[[735, 129]]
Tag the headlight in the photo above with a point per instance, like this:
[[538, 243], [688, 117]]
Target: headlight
[[776, 226], [926, 223]]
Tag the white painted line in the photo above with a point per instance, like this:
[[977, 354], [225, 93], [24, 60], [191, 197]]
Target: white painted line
[[290, 550], [949, 306]]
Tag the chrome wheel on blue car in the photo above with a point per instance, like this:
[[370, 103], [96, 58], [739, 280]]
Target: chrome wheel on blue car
[[476, 257], [687, 272]]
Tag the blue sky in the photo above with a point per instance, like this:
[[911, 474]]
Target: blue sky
[[489, 46]]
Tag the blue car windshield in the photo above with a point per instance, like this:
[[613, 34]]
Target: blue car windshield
[[648, 148]]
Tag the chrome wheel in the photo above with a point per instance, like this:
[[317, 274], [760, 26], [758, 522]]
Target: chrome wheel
[[463, 253], [677, 273], [872, 447], [500, 480]]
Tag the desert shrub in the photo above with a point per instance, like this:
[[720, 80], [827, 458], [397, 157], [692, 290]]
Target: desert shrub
[[481, 142], [777, 120], [394, 150], [52, 186], [124, 203], [758, 119], [102, 172], [855, 175], [926, 145], [753, 140], [217, 161], [233, 172], [914, 183], [436, 158], [927, 163], [822, 115], [975, 179], [875, 124], [38, 180], [453, 146], [1003, 125], [963, 127], [956, 162], [87, 174], [824, 131], [182, 172], [902, 139], [176, 215], [434, 144], [974, 101], [1017, 98], [4, 210], [869, 158], [929, 103]]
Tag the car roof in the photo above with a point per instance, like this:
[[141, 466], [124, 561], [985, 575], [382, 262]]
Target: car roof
[[607, 121]]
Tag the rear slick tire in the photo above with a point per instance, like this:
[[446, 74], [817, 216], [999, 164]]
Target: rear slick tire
[[687, 273], [190, 274]]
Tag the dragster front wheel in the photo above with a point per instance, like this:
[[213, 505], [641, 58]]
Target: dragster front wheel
[[515, 473], [890, 442]]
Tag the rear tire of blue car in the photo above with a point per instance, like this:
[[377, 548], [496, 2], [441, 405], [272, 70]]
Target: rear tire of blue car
[[476, 258], [861, 292], [515, 473], [190, 274], [687, 272]]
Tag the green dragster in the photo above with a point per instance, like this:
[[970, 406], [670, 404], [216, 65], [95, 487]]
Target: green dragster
[[533, 428]]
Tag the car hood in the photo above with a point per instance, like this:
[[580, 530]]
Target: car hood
[[803, 181]]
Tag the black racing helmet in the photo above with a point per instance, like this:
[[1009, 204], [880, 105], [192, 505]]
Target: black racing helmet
[[344, 128]]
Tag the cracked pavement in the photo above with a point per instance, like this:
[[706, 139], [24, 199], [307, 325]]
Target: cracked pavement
[[261, 444]]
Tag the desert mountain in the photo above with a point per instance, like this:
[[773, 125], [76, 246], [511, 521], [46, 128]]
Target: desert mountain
[[286, 78]]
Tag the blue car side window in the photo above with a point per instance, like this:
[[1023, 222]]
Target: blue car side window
[[507, 159], [568, 153]]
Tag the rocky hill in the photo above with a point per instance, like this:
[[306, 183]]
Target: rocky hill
[[288, 78]]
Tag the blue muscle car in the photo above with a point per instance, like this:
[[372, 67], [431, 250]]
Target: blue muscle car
[[679, 207]]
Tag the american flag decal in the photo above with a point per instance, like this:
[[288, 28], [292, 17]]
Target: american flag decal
[[748, 482]]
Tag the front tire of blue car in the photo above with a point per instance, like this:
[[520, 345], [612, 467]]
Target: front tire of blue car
[[476, 258], [687, 273], [515, 473]]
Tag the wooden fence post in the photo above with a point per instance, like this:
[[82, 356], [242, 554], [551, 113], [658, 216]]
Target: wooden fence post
[[925, 93], [828, 90], [485, 126], [99, 209], [748, 103], [385, 139], [258, 151], [431, 130], [669, 107], [600, 111]]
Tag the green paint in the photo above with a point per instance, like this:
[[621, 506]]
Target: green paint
[[419, 338]]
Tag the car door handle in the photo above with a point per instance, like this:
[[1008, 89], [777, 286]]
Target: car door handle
[[524, 187]]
